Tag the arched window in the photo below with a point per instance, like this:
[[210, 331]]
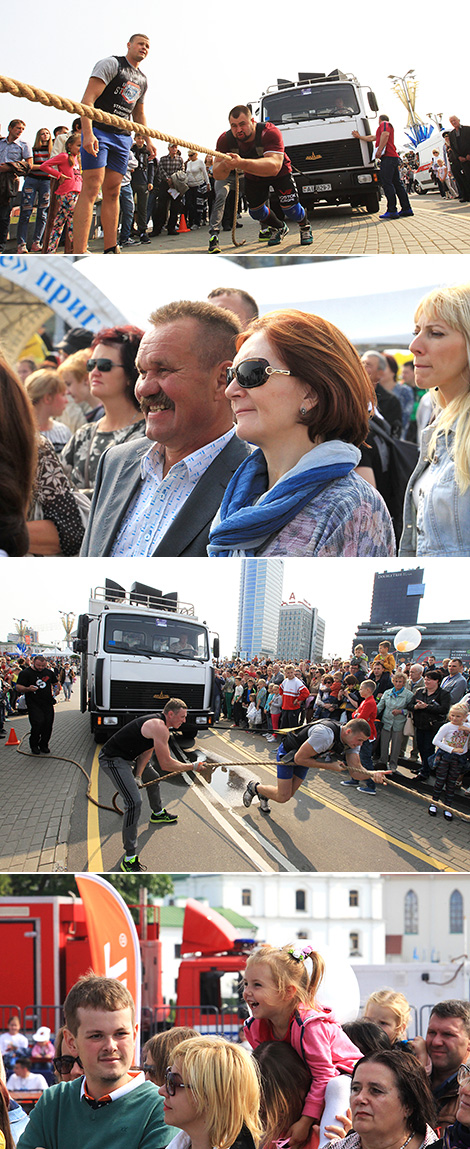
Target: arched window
[[411, 913], [456, 912], [354, 897], [300, 900], [354, 945]]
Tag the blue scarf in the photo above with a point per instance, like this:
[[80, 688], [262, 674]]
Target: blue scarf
[[245, 527]]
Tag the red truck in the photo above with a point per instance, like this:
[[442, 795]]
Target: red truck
[[44, 947]]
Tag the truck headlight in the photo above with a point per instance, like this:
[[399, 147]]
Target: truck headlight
[[108, 721], [365, 179], [201, 720]]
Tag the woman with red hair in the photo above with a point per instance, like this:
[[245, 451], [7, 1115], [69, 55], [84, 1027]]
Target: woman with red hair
[[300, 394]]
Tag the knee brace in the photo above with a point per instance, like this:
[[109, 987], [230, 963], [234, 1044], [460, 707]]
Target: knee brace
[[259, 213], [295, 213]]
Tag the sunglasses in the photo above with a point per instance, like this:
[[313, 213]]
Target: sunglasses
[[463, 1074], [253, 373], [101, 364], [66, 1063], [150, 1069], [172, 1083]]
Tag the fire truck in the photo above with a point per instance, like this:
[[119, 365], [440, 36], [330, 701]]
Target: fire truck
[[45, 948], [139, 649], [316, 115]]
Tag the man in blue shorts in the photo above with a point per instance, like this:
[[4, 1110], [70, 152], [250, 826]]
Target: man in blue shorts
[[257, 150], [325, 744], [118, 86]]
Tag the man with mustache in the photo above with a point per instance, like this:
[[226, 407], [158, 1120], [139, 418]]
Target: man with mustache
[[160, 500], [110, 1104]]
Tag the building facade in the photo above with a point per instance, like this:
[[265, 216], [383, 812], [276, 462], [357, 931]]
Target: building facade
[[259, 605]]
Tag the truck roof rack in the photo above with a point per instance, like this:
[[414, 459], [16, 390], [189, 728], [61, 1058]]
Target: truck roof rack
[[149, 597]]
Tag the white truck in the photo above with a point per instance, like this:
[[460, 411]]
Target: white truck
[[139, 649], [317, 114]]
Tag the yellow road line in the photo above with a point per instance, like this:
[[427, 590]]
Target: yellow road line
[[350, 817], [95, 858]]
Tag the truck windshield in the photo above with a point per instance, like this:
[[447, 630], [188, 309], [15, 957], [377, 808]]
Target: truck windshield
[[155, 637], [310, 102]]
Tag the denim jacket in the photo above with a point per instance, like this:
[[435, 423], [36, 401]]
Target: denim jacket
[[442, 524]]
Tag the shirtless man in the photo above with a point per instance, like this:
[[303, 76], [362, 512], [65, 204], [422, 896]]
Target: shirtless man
[[118, 86], [126, 757]]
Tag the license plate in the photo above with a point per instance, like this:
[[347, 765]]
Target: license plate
[[317, 188]]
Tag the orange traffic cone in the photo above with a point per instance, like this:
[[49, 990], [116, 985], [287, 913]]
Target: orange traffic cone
[[183, 225], [12, 740]]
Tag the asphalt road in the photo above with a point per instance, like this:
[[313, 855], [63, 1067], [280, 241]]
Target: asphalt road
[[50, 825]]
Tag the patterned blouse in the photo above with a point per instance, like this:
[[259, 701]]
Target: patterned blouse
[[347, 519], [53, 499], [78, 449]]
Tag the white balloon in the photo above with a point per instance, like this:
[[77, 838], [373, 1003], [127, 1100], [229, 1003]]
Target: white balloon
[[408, 638], [339, 987]]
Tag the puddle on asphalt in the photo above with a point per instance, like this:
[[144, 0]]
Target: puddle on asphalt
[[229, 783]]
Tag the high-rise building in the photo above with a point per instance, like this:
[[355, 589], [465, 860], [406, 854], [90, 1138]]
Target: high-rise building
[[301, 631], [258, 607], [396, 597]]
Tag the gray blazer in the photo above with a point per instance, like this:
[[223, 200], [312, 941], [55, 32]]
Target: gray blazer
[[118, 480]]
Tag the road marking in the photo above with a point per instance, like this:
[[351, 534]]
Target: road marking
[[95, 858], [214, 809], [415, 853]]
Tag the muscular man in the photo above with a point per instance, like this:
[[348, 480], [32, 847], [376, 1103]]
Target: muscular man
[[111, 1104], [159, 497], [118, 86], [258, 151], [125, 757], [325, 744], [387, 153], [36, 683]]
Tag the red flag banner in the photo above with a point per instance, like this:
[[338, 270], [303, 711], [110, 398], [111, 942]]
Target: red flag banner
[[113, 938]]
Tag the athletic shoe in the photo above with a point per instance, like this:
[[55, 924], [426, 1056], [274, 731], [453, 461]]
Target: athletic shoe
[[278, 236], [131, 242], [35, 750], [432, 810], [163, 818], [132, 866], [22, 249], [36, 247], [270, 738], [365, 790], [265, 233], [405, 213], [44, 750], [264, 805], [306, 236], [422, 777], [250, 793], [144, 238], [389, 215], [448, 815], [349, 782], [214, 246]]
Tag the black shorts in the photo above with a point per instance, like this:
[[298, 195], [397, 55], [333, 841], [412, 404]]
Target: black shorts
[[257, 190]]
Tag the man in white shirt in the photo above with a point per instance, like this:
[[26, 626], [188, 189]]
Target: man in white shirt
[[161, 499], [25, 1081]]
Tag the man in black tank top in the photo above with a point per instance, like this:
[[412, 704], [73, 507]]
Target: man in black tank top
[[135, 743], [325, 744], [118, 86]]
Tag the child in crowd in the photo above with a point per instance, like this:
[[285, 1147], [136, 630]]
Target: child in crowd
[[281, 995], [451, 742], [66, 165], [273, 710], [367, 710], [391, 1011]]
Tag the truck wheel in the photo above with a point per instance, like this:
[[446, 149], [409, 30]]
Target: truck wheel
[[371, 204], [419, 189]]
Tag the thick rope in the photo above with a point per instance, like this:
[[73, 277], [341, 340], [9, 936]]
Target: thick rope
[[38, 95]]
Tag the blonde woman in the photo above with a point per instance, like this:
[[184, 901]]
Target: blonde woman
[[48, 394], [211, 1093], [437, 500]]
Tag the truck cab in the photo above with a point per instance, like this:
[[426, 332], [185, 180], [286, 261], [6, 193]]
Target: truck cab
[[139, 649], [317, 115]]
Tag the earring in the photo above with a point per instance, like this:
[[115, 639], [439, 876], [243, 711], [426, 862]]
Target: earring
[[303, 410]]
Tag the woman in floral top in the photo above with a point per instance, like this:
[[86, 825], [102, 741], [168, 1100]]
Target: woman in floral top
[[113, 375]]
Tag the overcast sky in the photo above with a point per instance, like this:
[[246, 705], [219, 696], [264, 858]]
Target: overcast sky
[[340, 588], [204, 59]]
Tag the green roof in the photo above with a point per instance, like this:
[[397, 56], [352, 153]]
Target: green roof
[[174, 915]]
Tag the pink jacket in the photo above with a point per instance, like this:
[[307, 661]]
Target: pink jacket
[[320, 1042], [60, 166]]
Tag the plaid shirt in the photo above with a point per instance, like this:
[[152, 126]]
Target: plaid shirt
[[168, 165]]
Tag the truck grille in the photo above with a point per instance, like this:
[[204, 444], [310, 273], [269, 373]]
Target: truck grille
[[141, 695], [331, 153]]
